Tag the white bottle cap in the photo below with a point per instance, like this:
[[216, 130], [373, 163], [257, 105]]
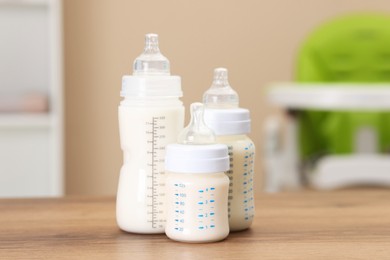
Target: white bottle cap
[[233, 121], [151, 74], [197, 151], [209, 158]]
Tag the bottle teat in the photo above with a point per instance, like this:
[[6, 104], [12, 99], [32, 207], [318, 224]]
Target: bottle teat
[[196, 132], [220, 94], [151, 61]]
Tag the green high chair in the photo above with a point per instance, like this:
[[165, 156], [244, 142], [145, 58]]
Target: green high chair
[[339, 110]]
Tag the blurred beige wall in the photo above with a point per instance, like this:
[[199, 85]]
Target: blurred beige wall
[[256, 40]]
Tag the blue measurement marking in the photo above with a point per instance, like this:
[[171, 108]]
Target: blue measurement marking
[[176, 202], [176, 194], [212, 200], [212, 188], [212, 226], [201, 191], [201, 227], [200, 203], [212, 213], [176, 184], [200, 215]]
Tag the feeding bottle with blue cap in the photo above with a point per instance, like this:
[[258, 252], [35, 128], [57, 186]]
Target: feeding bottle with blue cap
[[196, 185], [151, 116], [231, 125]]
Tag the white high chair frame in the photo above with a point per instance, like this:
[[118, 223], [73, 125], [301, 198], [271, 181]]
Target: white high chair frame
[[282, 164]]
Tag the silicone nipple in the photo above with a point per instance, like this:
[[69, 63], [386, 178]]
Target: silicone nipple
[[220, 94], [151, 61], [196, 132]]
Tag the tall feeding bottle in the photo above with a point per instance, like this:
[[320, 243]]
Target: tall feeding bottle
[[231, 124], [150, 117]]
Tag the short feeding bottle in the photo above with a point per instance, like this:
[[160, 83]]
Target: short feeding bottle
[[231, 124], [150, 117], [196, 185]]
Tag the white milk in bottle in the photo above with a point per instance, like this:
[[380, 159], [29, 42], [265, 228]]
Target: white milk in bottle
[[196, 186], [150, 117], [231, 124]]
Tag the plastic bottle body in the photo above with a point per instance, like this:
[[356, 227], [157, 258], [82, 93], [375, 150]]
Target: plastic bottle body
[[241, 175], [146, 126], [197, 209]]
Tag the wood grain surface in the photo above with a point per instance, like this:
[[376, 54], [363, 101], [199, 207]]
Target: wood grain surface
[[305, 225]]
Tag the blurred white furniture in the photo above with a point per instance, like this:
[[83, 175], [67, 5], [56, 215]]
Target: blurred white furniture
[[31, 144], [283, 166]]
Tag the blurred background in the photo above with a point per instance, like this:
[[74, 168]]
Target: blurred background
[[63, 105]]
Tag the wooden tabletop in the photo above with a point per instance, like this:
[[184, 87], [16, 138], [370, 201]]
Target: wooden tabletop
[[304, 225]]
